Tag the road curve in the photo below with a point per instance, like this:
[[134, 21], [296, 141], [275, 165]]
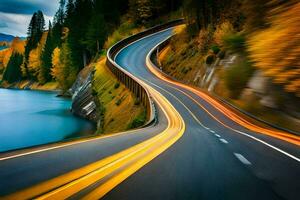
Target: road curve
[[210, 161], [214, 158]]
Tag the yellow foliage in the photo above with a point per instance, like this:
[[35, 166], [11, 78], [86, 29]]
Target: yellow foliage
[[56, 69], [4, 56], [276, 50], [222, 30], [17, 46], [62, 67], [205, 39], [34, 61], [179, 29]]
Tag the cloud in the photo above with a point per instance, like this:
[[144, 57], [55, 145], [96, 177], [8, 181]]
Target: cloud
[[16, 24], [15, 15], [3, 24], [29, 6]]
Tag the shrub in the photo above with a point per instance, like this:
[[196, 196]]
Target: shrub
[[184, 70], [234, 42], [222, 31], [118, 102], [169, 59], [237, 77], [138, 121], [205, 39], [215, 49], [221, 54], [94, 93], [117, 85], [210, 59]]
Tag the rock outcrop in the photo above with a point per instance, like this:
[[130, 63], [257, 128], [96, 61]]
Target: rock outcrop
[[83, 101]]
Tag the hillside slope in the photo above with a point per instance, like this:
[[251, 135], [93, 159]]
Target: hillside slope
[[236, 61]]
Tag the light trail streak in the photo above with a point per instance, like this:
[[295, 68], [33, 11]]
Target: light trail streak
[[225, 111], [276, 134], [119, 166]]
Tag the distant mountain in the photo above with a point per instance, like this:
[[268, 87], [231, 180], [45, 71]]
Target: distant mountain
[[8, 38]]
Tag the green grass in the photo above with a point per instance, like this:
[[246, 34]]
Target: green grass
[[138, 121], [118, 104], [235, 42]]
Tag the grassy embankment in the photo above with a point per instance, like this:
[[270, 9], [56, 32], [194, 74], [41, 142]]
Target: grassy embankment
[[120, 109], [184, 60]]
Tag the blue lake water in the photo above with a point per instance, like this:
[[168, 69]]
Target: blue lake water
[[29, 118], [3, 47]]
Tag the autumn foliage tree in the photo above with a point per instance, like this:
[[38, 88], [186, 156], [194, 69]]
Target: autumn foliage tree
[[35, 31], [276, 49], [34, 61], [62, 67]]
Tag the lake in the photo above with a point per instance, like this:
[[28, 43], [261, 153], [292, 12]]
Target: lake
[[2, 47], [29, 118]]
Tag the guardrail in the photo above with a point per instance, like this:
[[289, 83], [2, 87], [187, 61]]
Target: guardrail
[[132, 83]]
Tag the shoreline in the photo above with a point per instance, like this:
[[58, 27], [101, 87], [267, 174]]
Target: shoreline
[[30, 85], [76, 135]]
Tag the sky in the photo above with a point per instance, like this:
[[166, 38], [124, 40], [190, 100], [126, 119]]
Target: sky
[[15, 15]]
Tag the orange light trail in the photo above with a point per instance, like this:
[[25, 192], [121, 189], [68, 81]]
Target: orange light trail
[[227, 112]]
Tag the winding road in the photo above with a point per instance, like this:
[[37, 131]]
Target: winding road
[[197, 150]]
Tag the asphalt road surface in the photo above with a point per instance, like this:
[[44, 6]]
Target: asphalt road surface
[[210, 160], [214, 163]]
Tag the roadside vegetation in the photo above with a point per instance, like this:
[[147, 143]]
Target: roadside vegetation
[[78, 37], [117, 104], [243, 51], [225, 45]]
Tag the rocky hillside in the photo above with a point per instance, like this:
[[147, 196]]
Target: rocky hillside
[[236, 60]]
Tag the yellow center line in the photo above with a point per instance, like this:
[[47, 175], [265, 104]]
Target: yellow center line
[[172, 136], [72, 182]]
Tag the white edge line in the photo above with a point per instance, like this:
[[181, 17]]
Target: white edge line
[[242, 159], [223, 140], [88, 140], [245, 134], [67, 144]]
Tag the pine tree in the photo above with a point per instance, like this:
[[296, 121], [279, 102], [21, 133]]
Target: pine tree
[[58, 22], [77, 23], [96, 34], [46, 58], [35, 31], [13, 71], [69, 13]]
